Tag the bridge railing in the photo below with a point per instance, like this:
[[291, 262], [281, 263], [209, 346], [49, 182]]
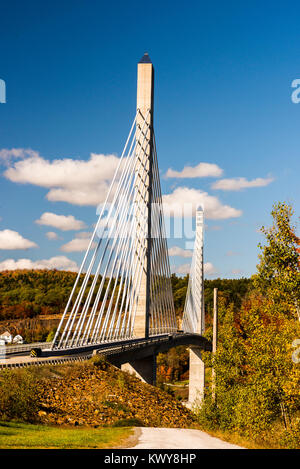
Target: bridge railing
[[12, 349]]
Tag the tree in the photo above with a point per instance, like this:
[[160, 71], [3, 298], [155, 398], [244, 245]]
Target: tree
[[278, 273], [257, 382]]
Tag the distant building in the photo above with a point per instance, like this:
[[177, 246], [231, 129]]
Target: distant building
[[18, 339], [6, 337]]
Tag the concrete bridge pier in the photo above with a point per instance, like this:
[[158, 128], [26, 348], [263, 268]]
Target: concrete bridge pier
[[196, 377], [141, 361], [142, 368]]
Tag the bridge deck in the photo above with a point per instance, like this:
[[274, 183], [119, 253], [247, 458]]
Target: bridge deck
[[165, 341], [121, 351]]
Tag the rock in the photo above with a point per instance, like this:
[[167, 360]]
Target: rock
[[85, 398]]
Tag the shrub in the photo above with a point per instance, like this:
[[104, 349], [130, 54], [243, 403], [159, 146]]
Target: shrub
[[100, 361], [18, 396], [130, 422]]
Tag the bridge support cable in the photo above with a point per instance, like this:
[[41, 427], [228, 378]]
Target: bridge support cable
[[103, 251], [120, 245], [162, 312], [103, 303], [194, 317], [92, 240]]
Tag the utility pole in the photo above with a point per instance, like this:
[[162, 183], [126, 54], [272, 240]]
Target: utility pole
[[214, 343]]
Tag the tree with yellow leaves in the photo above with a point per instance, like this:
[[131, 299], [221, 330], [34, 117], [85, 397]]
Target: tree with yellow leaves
[[257, 382], [278, 275]]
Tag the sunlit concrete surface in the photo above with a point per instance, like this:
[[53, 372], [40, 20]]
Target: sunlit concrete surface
[[179, 438]]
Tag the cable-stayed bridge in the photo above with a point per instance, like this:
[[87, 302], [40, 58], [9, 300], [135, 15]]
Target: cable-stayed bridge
[[122, 298], [123, 288]]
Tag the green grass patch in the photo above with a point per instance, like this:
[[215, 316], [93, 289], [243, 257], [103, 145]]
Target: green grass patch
[[184, 382], [23, 435], [132, 422]]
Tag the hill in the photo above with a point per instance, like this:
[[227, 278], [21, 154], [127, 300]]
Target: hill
[[31, 301], [92, 393]]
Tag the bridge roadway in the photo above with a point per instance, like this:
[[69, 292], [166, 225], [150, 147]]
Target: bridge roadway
[[118, 352]]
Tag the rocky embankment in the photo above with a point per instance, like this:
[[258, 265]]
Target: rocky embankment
[[98, 394]]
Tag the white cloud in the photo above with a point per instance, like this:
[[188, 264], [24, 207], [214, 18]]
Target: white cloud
[[200, 171], [209, 269], [79, 243], [62, 222], [236, 184], [177, 251], [181, 269], [6, 156], [79, 182], [86, 182], [58, 262], [184, 269], [52, 235], [184, 201], [10, 239], [84, 235], [92, 195]]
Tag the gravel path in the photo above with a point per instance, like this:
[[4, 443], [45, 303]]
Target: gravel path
[[178, 438]]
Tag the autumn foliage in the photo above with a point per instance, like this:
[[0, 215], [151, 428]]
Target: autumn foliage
[[257, 379]]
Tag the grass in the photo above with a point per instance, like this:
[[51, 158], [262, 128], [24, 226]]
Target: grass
[[234, 439], [184, 382], [275, 437], [25, 436]]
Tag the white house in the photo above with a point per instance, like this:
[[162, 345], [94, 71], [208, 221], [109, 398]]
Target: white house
[[18, 339], [7, 337]]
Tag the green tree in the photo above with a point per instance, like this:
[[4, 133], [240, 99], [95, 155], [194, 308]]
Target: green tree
[[278, 273]]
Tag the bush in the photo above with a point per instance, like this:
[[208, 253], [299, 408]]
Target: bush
[[51, 335], [130, 422], [18, 396], [290, 439], [208, 414], [100, 361]]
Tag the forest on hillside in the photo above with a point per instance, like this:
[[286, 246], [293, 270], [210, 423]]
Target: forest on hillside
[[38, 298], [29, 293]]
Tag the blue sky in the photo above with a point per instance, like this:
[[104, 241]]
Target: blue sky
[[223, 74]]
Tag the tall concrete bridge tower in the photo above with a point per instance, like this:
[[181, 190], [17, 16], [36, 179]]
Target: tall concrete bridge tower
[[143, 188], [123, 289], [194, 312]]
